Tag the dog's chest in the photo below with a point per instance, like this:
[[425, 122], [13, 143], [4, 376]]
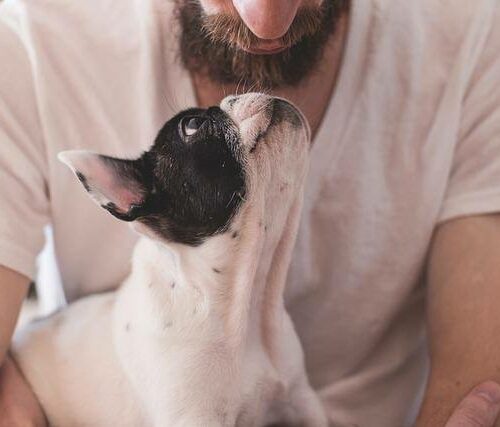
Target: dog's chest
[[185, 373], [192, 385], [200, 385]]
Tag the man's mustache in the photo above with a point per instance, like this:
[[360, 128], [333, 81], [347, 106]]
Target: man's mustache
[[231, 29]]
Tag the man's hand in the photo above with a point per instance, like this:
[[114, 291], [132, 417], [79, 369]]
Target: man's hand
[[480, 408], [18, 405]]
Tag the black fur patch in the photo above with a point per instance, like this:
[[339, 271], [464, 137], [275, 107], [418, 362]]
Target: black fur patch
[[188, 183]]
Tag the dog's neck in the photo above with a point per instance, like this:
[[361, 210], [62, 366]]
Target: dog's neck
[[232, 284]]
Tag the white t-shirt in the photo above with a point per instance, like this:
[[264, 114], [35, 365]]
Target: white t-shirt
[[411, 138]]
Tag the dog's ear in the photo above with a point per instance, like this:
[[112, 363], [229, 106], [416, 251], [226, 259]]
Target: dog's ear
[[116, 185]]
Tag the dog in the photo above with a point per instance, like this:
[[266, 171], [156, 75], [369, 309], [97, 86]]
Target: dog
[[197, 335]]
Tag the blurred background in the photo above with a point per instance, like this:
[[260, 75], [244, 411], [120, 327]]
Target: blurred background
[[48, 277]]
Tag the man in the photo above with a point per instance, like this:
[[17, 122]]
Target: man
[[400, 228]]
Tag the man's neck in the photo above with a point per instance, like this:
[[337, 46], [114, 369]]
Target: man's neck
[[312, 96]]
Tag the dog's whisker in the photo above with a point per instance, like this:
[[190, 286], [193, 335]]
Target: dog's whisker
[[237, 87], [241, 197], [231, 199]]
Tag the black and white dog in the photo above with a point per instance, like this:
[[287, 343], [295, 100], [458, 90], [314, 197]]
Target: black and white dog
[[197, 335]]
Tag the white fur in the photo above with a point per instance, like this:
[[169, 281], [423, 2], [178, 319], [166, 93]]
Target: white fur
[[180, 344]]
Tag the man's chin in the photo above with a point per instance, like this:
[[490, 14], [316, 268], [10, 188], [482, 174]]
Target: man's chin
[[262, 64]]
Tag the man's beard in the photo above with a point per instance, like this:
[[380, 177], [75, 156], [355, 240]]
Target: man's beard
[[212, 46]]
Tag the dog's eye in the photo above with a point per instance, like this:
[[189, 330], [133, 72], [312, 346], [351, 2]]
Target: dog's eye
[[190, 125]]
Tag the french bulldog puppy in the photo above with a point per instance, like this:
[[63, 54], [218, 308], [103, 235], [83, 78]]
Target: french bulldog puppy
[[197, 335]]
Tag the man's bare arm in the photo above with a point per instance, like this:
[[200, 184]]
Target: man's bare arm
[[13, 289], [463, 321], [18, 405]]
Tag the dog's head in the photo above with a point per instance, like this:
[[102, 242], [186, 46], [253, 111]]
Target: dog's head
[[204, 167]]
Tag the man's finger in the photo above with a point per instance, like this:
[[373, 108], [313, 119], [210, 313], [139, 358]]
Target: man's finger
[[480, 408]]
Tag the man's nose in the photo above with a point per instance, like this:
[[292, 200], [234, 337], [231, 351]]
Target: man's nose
[[267, 19]]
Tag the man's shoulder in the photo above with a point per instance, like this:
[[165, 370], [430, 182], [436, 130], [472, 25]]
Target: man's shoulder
[[448, 14], [446, 25], [109, 23], [61, 9]]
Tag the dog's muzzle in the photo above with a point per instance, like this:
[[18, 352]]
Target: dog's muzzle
[[256, 113]]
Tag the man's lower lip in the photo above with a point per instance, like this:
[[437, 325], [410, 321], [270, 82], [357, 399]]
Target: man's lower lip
[[261, 51]]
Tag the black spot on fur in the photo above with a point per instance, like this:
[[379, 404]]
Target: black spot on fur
[[172, 285], [235, 235], [216, 270], [167, 325], [83, 180]]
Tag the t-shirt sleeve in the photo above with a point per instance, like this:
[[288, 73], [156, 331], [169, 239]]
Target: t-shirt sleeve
[[23, 190], [474, 183]]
